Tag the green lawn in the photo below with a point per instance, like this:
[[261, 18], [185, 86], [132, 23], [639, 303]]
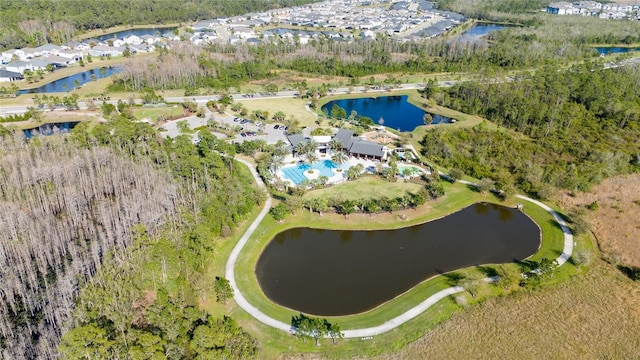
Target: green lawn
[[376, 188], [294, 108], [155, 114]]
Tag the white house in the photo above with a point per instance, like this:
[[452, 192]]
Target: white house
[[132, 40], [75, 55], [48, 49], [102, 50]]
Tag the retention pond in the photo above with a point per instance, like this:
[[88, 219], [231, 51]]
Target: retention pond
[[327, 272]]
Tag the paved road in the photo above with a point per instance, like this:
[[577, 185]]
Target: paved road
[[388, 325]]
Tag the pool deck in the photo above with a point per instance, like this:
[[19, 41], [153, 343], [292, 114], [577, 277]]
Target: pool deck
[[338, 177]]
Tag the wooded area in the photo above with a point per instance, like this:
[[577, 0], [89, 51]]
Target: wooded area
[[581, 127], [61, 209], [149, 209]]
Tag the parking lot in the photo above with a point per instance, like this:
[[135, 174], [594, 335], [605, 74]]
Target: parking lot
[[250, 130]]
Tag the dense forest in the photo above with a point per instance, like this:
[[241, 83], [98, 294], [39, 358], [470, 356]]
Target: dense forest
[[150, 210], [37, 22], [579, 127]]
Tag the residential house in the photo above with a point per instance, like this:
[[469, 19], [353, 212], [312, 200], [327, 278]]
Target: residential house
[[103, 50], [48, 49], [149, 39], [9, 76], [30, 53], [132, 40], [32, 65], [75, 55]]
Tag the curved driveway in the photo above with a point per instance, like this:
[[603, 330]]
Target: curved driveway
[[370, 331]]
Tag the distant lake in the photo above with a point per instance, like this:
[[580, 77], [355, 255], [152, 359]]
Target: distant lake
[[50, 129], [615, 50], [335, 272], [67, 83], [480, 30], [396, 111], [137, 32]]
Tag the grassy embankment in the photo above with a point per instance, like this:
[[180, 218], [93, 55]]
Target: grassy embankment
[[277, 342]]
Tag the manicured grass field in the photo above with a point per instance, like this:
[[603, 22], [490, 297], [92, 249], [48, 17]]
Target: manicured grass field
[[155, 114], [292, 107], [375, 186]]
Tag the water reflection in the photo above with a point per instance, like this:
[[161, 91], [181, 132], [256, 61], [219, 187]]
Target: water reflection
[[346, 272]]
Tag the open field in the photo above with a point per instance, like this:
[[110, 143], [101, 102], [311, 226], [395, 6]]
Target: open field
[[155, 114], [294, 108], [614, 218], [375, 186], [595, 315]]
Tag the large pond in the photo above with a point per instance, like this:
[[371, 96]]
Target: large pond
[[326, 272], [69, 83], [136, 32], [396, 111]]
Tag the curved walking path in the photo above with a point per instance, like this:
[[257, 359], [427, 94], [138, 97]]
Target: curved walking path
[[388, 325]]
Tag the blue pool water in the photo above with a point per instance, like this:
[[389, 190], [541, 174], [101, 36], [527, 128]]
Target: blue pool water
[[325, 167]]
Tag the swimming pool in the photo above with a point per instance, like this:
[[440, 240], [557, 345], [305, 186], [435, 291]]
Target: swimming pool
[[415, 171], [324, 167]]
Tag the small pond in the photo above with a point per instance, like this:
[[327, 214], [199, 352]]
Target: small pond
[[327, 272], [396, 111], [136, 32], [480, 30], [50, 129], [615, 50], [68, 83]]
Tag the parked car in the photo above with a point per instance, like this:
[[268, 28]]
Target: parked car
[[276, 126], [243, 134], [259, 123]]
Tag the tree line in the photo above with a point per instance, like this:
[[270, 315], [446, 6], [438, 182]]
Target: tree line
[[576, 127]]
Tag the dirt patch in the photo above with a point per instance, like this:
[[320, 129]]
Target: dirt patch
[[612, 211]]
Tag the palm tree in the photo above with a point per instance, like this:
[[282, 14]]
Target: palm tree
[[339, 158], [311, 158], [276, 162], [299, 148], [310, 146], [335, 145]]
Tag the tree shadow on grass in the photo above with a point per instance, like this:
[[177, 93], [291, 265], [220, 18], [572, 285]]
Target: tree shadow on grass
[[453, 278], [487, 271]]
